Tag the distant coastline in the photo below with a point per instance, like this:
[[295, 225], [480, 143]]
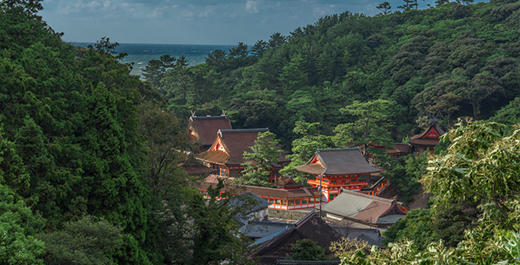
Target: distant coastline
[[141, 54]]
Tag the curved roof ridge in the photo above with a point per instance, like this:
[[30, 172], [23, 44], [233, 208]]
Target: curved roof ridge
[[338, 149], [244, 130]]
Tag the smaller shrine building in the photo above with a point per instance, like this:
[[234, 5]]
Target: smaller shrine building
[[428, 139]]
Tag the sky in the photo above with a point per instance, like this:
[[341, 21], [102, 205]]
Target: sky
[[223, 22]]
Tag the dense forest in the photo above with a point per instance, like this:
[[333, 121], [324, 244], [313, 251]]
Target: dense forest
[[89, 172], [450, 61], [88, 168]]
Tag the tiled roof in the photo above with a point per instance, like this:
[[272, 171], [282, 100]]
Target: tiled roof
[[309, 227], [423, 139], [266, 192], [364, 208], [338, 162], [206, 127], [258, 229], [235, 143]]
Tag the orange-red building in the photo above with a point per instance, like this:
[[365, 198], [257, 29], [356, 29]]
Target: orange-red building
[[226, 154], [283, 199], [427, 139], [342, 168]]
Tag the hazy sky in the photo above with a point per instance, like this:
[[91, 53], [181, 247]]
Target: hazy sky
[[192, 21]]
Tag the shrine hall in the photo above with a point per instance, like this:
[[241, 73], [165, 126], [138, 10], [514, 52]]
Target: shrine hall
[[342, 168]]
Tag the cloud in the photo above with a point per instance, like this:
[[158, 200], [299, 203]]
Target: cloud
[[251, 7]]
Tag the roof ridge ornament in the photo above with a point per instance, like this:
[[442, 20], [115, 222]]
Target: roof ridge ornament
[[192, 113]]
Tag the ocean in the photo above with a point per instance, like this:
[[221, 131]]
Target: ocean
[[141, 54]]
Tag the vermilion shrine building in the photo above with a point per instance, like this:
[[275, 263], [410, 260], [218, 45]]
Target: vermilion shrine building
[[226, 153], [283, 199], [342, 168], [427, 139]]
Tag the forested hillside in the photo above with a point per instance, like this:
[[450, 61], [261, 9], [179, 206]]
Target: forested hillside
[[88, 168], [445, 62]]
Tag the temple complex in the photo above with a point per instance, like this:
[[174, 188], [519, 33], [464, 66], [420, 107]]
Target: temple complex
[[342, 168]]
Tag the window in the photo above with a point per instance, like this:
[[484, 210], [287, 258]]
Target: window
[[297, 202], [317, 200], [333, 181], [291, 202], [277, 202], [325, 180], [284, 202], [311, 200], [304, 201], [354, 180], [332, 196], [271, 200]]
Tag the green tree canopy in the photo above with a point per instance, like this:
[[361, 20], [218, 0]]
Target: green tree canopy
[[373, 124], [265, 153], [306, 249]]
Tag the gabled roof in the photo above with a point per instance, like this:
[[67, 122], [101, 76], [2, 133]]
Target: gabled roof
[[430, 136], [309, 227], [343, 161], [365, 208], [230, 145], [370, 235], [205, 128]]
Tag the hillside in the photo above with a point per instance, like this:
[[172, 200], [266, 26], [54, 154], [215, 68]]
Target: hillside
[[445, 62]]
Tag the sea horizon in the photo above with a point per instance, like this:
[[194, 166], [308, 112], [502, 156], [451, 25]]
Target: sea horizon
[[141, 53]]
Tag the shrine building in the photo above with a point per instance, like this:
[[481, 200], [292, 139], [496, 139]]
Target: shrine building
[[342, 168], [281, 199], [203, 129], [428, 139], [225, 156]]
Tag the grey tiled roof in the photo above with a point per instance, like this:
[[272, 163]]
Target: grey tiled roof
[[364, 208], [341, 161], [259, 229]]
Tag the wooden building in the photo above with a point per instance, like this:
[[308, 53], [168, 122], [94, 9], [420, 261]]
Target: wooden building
[[225, 156], [339, 168], [428, 139], [203, 129], [281, 199], [365, 209], [279, 245]]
